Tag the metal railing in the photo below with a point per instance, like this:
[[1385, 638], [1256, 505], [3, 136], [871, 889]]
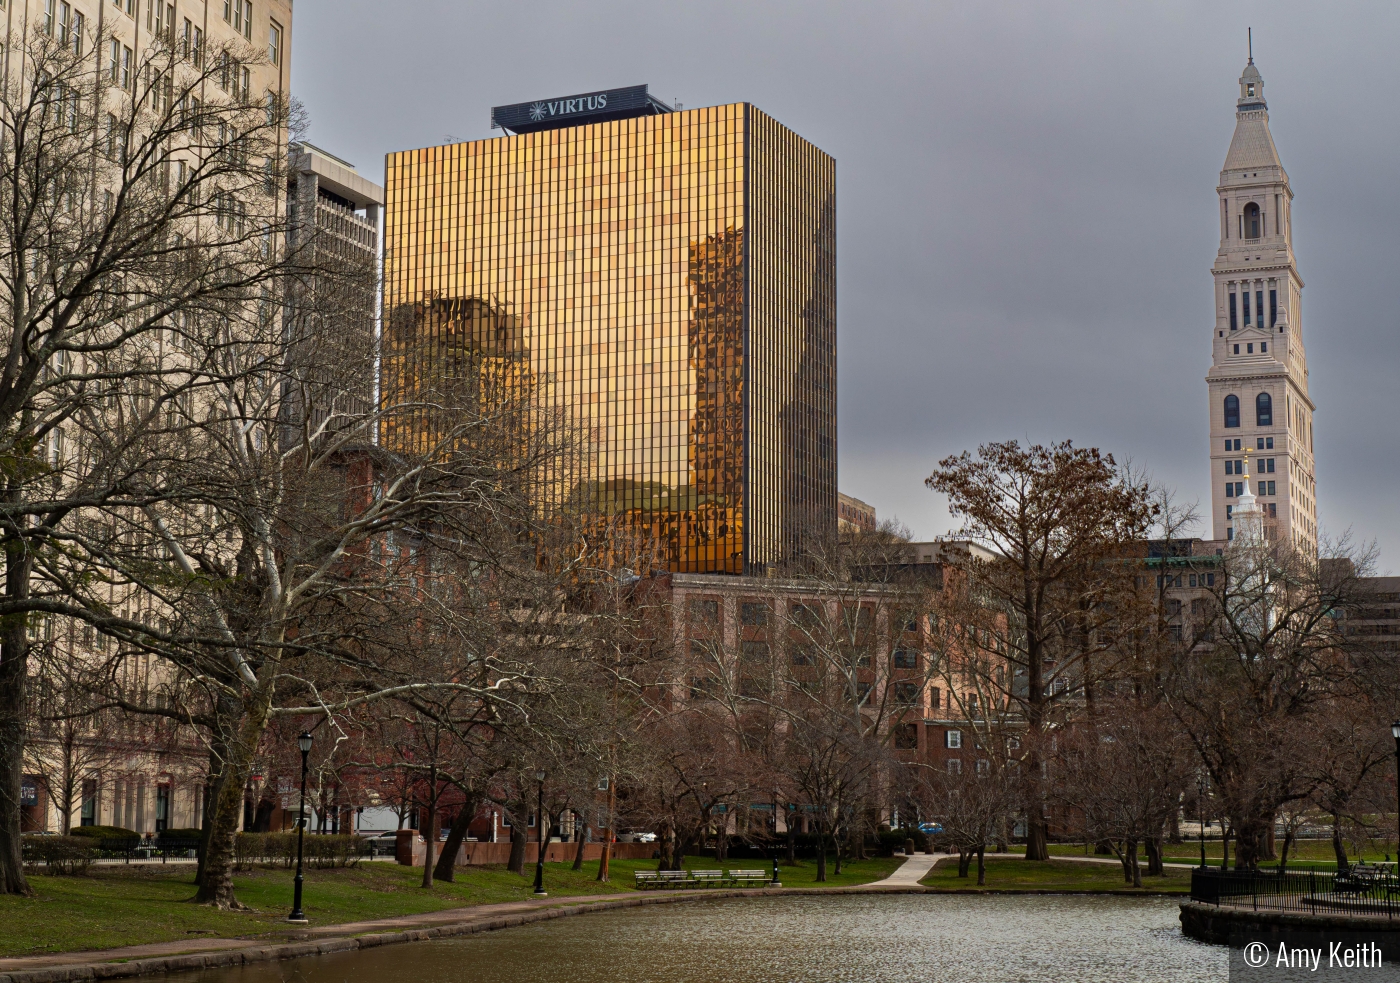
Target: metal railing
[[1363, 889]]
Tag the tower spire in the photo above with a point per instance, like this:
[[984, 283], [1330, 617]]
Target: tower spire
[[1251, 44]]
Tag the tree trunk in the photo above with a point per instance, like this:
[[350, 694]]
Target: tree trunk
[[722, 842], [683, 847], [1037, 839], [1174, 827], [964, 860], [836, 848], [1224, 846], [447, 862], [581, 834], [791, 839], [1153, 845], [1283, 854], [227, 810], [14, 660], [981, 865], [430, 835], [821, 853], [1136, 878], [212, 785], [516, 863], [1339, 849], [1249, 839]]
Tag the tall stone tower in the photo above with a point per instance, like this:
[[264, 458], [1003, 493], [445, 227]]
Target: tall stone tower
[[1258, 379]]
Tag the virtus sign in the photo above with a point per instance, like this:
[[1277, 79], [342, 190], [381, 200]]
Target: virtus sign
[[578, 110], [567, 107]]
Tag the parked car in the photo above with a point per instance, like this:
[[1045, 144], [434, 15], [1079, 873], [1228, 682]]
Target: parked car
[[930, 829], [644, 837]]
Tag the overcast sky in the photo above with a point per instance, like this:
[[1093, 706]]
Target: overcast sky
[[1026, 194]]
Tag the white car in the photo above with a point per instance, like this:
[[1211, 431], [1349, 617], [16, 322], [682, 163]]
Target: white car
[[644, 837]]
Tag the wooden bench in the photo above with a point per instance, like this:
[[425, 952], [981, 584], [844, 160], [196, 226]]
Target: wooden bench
[[707, 878], [661, 878], [749, 878]]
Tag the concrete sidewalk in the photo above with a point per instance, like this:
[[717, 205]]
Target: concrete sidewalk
[[913, 870]]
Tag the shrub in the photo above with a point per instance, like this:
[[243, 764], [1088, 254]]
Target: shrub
[[340, 850], [894, 839], [111, 839], [60, 854], [177, 840], [105, 832]]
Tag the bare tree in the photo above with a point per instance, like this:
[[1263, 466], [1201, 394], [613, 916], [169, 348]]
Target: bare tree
[[131, 212], [1122, 775], [1046, 520], [1259, 670]]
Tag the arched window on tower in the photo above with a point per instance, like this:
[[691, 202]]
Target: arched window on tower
[[1263, 410], [1251, 221], [1232, 411]]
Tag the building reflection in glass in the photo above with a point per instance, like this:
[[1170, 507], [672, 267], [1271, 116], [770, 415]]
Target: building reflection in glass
[[668, 282]]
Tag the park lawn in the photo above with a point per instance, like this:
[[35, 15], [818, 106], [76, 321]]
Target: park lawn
[[1051, 875], [1304, 855], [803, 873], [116, 906]]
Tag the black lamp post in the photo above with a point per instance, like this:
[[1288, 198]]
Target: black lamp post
[[1395, 733], [775, 882], [303, 742], [540, 835], [1201, 815]]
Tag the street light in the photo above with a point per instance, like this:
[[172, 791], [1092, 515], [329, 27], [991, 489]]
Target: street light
[[1201, 814], [303, 742], [539, 826], [1395, 733]]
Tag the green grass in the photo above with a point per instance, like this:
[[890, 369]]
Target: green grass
[[1305, 855], [1051, 875], [804, 872], [116, 906]]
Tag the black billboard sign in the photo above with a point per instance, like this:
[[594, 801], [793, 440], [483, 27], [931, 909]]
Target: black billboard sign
[[577, 110]]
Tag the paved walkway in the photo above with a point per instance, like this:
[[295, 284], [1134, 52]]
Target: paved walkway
[[913, 870]]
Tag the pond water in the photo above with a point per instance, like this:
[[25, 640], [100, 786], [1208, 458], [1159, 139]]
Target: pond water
[[842, 939]]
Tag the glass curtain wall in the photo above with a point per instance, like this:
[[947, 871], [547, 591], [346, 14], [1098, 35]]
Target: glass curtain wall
[[610, 271]]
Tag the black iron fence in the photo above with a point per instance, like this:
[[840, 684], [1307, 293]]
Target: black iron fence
[[1368, 889]]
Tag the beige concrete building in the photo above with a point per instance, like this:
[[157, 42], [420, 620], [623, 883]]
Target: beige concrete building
[[137, 774], [1258, 382], [853, 515]]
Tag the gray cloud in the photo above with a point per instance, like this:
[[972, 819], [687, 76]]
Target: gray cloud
[[1027, 206]]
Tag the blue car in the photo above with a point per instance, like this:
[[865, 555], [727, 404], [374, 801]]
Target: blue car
[[930, 828]]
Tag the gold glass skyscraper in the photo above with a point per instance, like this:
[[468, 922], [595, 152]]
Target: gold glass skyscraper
[[666, 279]]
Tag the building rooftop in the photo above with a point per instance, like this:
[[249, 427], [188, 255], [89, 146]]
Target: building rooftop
[[335, 175]]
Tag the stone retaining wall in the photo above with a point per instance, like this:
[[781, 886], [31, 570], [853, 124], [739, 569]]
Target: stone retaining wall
[[1212, 923]]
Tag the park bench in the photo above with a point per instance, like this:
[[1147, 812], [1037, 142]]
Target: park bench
[[707, 878], [749, 878], [661, 878], [1361, 878]]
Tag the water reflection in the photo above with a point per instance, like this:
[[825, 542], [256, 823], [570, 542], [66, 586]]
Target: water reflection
[[852, 939]]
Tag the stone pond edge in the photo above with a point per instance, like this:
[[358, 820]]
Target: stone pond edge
[[1216, 924], [257, 953]]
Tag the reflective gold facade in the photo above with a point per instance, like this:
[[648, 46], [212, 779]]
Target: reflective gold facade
[[669, 282]]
